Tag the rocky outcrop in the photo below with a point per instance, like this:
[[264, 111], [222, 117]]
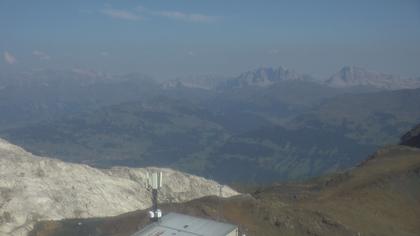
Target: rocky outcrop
[[262, 77], [34, 188]]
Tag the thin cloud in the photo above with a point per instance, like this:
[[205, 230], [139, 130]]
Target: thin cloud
[[104, 54], [9, 58], [121, 14], [202, 18], [41, 55], [194, 17], [139, 12]]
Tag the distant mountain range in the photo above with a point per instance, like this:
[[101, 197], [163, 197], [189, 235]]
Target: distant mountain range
[[263, 125], [347, 77]]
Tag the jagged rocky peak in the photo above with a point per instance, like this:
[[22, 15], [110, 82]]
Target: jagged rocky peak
[[36, 188], [351, 73], [268, 74], [263, 77], [353, 76]]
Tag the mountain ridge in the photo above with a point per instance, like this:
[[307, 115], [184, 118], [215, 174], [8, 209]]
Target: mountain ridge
[[347, 77], [135, 122], [352, 76]]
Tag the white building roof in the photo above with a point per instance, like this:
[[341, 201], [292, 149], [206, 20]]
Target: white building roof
[[174, 224]]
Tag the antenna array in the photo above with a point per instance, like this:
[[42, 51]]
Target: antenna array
[[153, 184]]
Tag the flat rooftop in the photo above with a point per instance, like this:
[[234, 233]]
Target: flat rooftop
[[174, 224]]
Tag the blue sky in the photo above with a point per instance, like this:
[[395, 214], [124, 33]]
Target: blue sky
[[170, 38]]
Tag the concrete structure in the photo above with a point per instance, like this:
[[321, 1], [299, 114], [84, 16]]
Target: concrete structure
[[174, 224]]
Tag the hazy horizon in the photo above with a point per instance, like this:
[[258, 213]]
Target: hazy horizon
[[168, 39]]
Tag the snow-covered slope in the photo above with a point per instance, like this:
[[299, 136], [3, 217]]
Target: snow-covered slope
[[36, 188]]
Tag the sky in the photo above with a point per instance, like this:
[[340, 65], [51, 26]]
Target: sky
[[175, 38]]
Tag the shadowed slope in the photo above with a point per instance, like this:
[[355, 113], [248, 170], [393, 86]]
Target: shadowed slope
[[412, 138]]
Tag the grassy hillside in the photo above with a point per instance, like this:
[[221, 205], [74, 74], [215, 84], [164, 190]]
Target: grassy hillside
[[273, 153], [371, 118]]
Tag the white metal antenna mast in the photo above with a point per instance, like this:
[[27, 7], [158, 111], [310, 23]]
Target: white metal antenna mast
[[219, 207], [154, 183]]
